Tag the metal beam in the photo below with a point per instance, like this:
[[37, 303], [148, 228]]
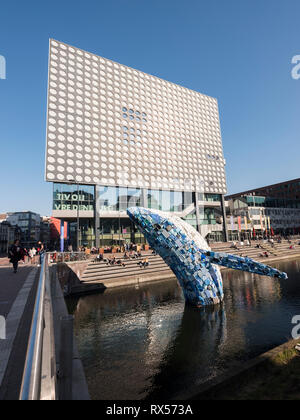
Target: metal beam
[[224, 218]]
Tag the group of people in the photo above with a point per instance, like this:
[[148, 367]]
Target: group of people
[[17, 253], [132, 254], [242, 243], [127, 256], [114, 261], [144, 263]]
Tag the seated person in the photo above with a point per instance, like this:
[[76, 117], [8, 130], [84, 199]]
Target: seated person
[[144, 263]]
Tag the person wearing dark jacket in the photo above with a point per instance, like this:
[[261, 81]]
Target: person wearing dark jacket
[[15, 254]]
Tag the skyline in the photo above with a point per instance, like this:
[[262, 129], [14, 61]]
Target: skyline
[[261, 108]]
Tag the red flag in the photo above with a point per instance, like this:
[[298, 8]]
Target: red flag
[[272, 232], [240, 223], [254, 233]]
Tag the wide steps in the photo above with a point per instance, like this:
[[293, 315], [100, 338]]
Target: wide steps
[[101, 271], [125, 274], [110, 270]]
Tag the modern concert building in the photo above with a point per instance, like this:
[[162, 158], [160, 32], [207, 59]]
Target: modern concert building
[[118, 138]]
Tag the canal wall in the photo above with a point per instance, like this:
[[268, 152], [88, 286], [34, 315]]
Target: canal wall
[[236, 378], [79, 384]]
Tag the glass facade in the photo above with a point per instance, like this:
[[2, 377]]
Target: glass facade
[[67, 197], [209, 197], [259, 201]]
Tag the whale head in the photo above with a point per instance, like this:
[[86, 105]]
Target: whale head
[[148, 221]]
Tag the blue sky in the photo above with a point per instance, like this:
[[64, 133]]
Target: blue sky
[[238, 51]]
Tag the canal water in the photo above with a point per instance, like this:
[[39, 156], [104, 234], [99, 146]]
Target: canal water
[[138, 343]]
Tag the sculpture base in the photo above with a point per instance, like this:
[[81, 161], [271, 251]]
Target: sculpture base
[[205, 303]]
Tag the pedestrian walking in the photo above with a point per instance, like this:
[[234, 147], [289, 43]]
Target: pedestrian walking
[[15, 254], [41, 252], [32, 254]]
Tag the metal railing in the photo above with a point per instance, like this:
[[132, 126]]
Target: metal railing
[[56, 257], [32, 373], [41, 328]]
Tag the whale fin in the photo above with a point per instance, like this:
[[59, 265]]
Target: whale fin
[[242, 263]]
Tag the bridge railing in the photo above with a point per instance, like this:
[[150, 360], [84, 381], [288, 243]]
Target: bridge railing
[[57, 257], [40, 368]]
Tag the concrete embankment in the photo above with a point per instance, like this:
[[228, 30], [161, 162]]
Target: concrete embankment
[[271, 375], [79, 385]]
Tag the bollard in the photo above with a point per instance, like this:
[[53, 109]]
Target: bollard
[[66, 358]]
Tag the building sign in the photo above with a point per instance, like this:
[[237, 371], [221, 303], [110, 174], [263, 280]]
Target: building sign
[[82, 207], [72, 201]]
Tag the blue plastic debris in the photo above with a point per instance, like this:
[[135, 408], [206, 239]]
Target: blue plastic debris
[[189, 256]]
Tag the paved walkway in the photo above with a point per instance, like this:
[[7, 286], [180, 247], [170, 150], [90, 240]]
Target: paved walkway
[[17, 296], [10, 285], [4, 262]]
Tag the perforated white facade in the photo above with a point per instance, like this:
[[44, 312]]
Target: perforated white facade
[[109, 124]]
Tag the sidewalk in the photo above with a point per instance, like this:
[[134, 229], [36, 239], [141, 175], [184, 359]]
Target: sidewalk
[[4, 262], [17, 296], [10, 285]]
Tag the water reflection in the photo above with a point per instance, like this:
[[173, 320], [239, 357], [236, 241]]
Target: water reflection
[[199, 338], [145, 343]]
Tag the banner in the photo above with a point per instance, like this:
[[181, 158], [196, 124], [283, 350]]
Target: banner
[[240, 223], [232, 222], [54, 228], [261, 223], [246, 223], [62, 236]]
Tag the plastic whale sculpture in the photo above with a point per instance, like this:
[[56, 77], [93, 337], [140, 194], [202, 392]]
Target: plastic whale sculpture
[[190, 258]]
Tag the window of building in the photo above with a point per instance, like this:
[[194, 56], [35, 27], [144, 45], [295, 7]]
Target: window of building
[[70, 196]]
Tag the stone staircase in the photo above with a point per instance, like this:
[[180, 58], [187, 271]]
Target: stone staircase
[[100, 272], [279, 250], [116, 275]]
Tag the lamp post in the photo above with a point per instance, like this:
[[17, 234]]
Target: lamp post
[[77, 224]]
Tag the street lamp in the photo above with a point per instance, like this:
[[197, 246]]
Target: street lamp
[[77, 224]]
